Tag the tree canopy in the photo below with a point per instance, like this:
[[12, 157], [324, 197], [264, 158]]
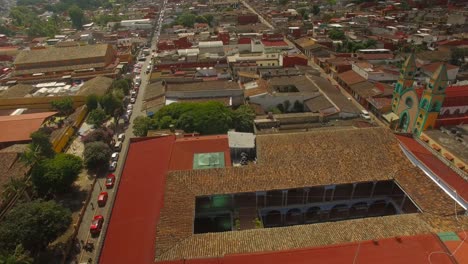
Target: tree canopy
[[41, 145], [206, 118], [315, 10], [96, 117], [77, 16], [17, 256], [33, 225], [243, 118], [64, 106], [57, 174], [92, 101], [111, 103], [142, 124], [336, 34], [97, 155]]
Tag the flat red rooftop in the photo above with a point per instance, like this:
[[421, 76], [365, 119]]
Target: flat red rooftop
[[131, 234], [436, 166]]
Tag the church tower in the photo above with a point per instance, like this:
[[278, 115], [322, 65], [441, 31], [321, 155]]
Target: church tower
[[405, 81], [431, 100]]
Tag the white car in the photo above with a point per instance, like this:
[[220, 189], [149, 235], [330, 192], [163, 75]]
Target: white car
[[130, 107], [132, 101], [365, 115], [121, 137], [129, 113], [113, 166], [115, 156]]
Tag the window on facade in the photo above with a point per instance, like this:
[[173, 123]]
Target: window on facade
[[423, 103], [409, 102]]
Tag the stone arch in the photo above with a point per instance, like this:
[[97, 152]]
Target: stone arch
[[390, 209], [339, 211], [358, 210], [404, 121], [312, 215], [272, 219], [294, 217], [377, 208]]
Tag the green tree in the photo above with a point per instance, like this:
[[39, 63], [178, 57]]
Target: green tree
[[18, 256], [370, 43], [242, 118], [166, 122], [63, 106], [110, 103], [33, 225], [97, 155], [209, 18], [186, 19], [56, 175], [315, 10], [122, 85], [92, 101], [201, 19], [39, 148], [331, 2], [298, 107], [283, 2], [141, 125], [336, 34], [304, 13], [77, 16], [206, 118], [96, 117]]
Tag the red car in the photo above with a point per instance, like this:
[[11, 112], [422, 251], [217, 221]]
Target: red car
[[96, 224], [102, 199], [110, 180]]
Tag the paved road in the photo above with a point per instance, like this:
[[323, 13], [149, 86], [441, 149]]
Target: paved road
[[259, 16], [92, 209]]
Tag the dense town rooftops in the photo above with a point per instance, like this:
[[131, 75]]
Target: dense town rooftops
[[292, 161]]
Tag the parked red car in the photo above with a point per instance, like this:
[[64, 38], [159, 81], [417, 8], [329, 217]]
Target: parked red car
[[96, 224], [102, 199], [110, 180]]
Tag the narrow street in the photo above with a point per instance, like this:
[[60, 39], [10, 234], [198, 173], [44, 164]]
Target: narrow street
[[92, 208]]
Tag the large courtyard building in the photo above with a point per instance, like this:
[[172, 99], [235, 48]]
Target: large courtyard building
[[186, 200], [61, 63]]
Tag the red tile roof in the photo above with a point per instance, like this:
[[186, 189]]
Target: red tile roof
[[351, 77], [455, 95], [409, 249], [131, 234], [432, 67], [436, 166], [275, 43], [243, 41], [20, 127], [185, 148]]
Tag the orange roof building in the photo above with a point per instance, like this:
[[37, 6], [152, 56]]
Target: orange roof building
[[18, 128]]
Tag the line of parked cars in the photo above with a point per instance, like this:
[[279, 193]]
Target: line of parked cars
[[98, 220]]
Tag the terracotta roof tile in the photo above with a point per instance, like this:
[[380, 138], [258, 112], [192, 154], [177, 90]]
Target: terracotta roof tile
[[20, 127]]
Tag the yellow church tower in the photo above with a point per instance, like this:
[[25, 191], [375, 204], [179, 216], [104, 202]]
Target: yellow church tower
[[405, 81], [431, 101]]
